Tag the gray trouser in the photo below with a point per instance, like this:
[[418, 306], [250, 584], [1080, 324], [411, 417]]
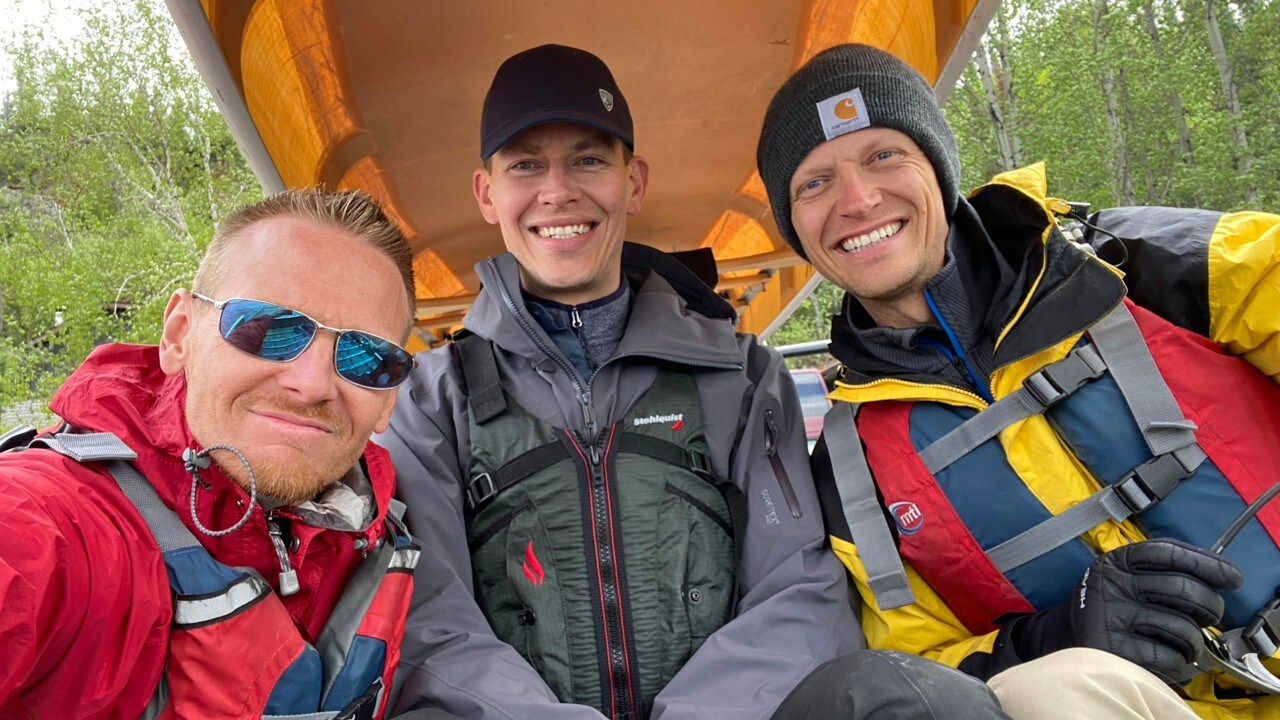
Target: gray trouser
[[888, 685]]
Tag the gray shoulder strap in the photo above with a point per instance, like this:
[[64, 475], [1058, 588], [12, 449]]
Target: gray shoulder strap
[[1043, 388], [868, 527], [1167, 432], [1125, 351], [166, 527]]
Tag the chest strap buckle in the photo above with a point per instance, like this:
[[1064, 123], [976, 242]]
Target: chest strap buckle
[[1153, 480], [1058, 380]]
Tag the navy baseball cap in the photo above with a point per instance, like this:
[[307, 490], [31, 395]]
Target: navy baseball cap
[[552, 83]]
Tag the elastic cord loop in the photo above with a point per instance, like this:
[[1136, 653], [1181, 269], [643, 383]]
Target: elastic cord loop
[[195, 461]]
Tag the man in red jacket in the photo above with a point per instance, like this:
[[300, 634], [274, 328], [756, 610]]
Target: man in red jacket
[[209, 533]]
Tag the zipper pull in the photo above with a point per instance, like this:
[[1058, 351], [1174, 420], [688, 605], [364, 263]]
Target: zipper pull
[[288, 576], [771, 434], [575, 319]]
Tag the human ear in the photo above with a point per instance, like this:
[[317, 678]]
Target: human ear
[[481, 186], [175, 337]]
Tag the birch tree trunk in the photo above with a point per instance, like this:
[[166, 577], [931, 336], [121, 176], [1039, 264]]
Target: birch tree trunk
[[1187, 152], [1231, 93], [1122, 182], [997, 89]]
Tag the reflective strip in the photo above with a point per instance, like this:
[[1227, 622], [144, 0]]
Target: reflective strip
[[202, 611], [404, 559], [868, 528]]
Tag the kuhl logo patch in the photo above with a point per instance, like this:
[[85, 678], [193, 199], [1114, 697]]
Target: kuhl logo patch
[[908, 517]]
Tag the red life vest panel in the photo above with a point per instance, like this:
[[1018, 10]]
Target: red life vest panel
[[234, 651]]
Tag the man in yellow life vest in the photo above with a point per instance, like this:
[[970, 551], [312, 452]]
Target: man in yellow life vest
[[1036, 457]]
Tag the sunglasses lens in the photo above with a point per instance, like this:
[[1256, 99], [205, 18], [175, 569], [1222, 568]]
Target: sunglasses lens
[[370, 361], [266, 330]]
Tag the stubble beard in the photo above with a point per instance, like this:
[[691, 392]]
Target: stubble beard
[[288, 481]]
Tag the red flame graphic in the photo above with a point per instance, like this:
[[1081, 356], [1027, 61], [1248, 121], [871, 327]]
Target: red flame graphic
[[532, 568]]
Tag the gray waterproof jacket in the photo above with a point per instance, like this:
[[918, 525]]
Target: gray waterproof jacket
[[794, 611]]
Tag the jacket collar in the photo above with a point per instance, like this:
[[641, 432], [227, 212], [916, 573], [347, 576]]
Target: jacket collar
[[664, 323]]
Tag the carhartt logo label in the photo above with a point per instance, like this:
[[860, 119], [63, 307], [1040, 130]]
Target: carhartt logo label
[[606, 97], [908, 517], [532, 568], [676, 420], [843, 113]]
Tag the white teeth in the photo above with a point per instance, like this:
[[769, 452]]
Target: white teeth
[[855, 244], [563, 231]]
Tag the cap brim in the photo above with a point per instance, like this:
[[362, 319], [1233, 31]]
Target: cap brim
[[514, 127]]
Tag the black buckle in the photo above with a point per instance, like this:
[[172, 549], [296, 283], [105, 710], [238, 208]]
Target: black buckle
[[481, 489], [1152, 481], [699, 463], [1056, 381], [1263, 631], [363, 707]]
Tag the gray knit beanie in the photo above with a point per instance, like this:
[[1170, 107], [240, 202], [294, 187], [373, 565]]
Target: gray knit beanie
[[840, 90]]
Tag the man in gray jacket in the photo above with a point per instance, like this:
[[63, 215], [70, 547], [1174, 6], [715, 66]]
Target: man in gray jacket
[[609, 483]]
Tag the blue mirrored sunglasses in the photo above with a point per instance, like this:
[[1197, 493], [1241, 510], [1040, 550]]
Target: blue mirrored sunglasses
[[279, 334]]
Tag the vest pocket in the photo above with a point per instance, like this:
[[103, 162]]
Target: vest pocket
[[697, 537], [518, 587]]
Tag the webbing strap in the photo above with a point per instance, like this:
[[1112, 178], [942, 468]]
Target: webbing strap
[[700, 464], [1042, 389], [1230, 654], [1059, 529], [166, 528], [487, 485], [1169, 435], [664, 451], [480, 375], [334, 643], [88, 447], [868, 527], [1122, 346]]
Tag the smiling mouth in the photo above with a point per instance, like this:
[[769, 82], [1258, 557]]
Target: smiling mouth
[[296, 423], [875, 237], [563, 232]]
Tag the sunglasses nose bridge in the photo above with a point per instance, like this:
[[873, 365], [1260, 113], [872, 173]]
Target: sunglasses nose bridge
[[311, 374]]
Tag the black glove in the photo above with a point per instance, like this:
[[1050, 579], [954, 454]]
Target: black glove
[[1144, 602]]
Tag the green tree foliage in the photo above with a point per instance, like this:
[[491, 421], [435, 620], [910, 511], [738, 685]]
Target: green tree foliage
[[114, 168], [1124, 101], [1172, 120]]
